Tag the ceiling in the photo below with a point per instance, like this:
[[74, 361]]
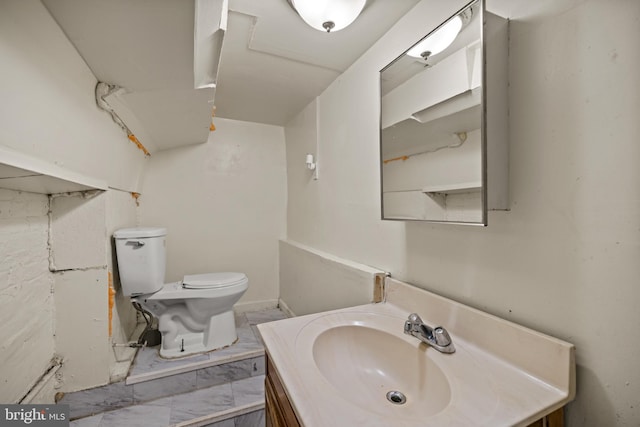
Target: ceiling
[[272, 64]]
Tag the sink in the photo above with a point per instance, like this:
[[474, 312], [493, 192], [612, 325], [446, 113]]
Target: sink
[[364, 364], [362, 359], [338, 367]]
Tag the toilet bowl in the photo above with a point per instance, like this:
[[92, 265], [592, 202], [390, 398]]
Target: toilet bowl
[[196, 318], [194, 315]]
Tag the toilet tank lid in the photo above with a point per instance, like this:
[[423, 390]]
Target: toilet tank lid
[[139, 232]]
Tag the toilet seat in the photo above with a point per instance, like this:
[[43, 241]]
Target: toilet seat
[[208, 285], [213, 280]]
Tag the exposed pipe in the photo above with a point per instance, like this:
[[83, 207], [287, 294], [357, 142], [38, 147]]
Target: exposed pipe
[[148, 317]]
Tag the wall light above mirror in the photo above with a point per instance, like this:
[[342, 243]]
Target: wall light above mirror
[[443, 122]]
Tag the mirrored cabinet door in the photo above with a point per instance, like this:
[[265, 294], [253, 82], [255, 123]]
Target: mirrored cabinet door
[[434, 131]]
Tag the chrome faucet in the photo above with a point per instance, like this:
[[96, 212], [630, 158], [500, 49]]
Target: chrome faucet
[[437, 337]]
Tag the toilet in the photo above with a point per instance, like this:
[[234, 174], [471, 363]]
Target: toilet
[[195, 315]]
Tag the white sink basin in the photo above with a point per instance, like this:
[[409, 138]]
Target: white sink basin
[[337, 367], [354, 357], [364, 364]]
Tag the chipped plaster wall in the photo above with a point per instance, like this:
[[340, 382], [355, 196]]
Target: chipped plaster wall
[[26, 298], [48, 111], [79, 262], [83, 259], [55, 259]]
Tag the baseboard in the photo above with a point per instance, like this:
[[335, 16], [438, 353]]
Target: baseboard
[[243, 307], [285, 308]]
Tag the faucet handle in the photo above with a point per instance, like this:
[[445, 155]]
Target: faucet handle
[[408, 327], [414, 318], [441, 336], [412, 324]]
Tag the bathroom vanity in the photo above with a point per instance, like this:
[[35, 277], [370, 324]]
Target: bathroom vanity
[[357, 367], [279, 412]]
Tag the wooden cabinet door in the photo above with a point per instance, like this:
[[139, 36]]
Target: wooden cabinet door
[[278, 409]]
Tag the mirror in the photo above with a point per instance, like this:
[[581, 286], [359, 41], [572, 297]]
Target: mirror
[[432, 126]]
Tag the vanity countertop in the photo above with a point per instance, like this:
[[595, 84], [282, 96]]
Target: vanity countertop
[[338, 366]]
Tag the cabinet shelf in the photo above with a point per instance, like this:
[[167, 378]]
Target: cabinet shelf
[[462, 187], [22, 172]]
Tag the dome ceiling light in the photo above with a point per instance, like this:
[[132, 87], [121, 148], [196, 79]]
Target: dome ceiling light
[[328, 15], [442, 38]]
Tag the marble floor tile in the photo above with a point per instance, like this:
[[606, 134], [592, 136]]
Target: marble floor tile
[[99, 399], [163, 401], [174, 398], [137, 416], [93, 421], [256, 333], [150, 392], [245, 334], [252, 419], [167, 386], [225, 373], [249, 390], [225, 423], [201, 402], [258, 366]]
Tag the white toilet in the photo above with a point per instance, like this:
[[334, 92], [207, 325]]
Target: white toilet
[[194, 315]]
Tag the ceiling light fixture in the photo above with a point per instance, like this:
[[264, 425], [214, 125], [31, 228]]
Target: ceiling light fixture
[[437, 41], [442, 38], [328, 15]]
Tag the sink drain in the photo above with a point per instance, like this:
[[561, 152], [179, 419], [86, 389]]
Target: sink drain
[[396, 397]]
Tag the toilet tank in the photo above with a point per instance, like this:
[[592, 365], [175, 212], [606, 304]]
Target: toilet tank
[[141, 254]]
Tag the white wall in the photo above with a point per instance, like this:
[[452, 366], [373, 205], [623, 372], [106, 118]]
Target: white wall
[[312, 281], [223, 203], [78, 261], [48, 111], [564, 260], [49, 108]]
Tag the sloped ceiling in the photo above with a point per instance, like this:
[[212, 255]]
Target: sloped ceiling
[[272, 63]]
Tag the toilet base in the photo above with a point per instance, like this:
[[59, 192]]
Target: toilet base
[[219, 333]]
